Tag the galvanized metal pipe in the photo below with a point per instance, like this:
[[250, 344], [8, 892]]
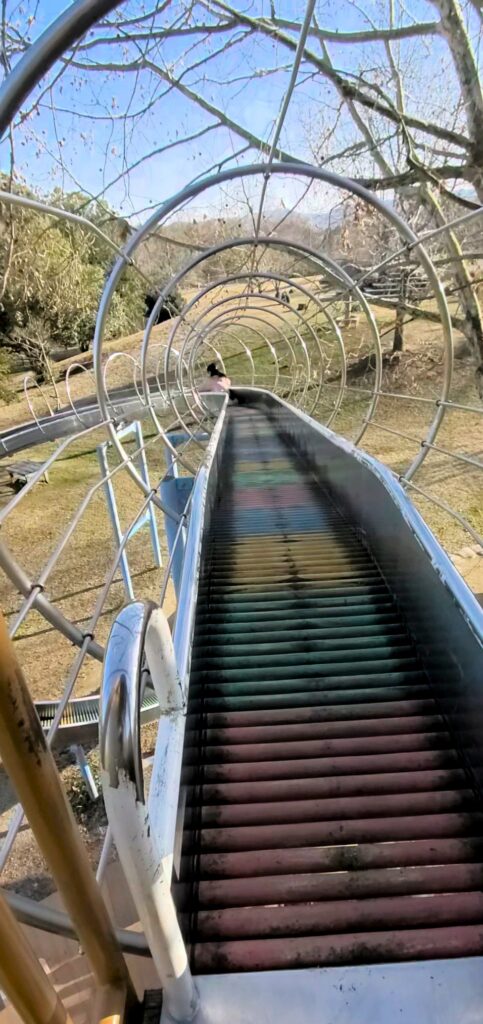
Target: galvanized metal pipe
[[42, 54], [248, 315], [85, 648], [34, 479], [226, 280], [70, 368], [57, 922], [30, 378], [39, 584], [478, 537]]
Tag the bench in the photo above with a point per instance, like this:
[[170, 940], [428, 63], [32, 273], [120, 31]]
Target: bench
[[21, 472]]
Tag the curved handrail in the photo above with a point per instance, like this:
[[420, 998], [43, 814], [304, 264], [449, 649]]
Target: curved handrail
[[145, 865], [126, 355], [27, 381], [123, 683], [83, 369]]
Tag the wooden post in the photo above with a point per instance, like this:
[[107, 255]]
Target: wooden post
[[32, 769], [25, 984]]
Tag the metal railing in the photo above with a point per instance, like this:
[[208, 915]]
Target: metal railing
[[84, 639], [146, 860]]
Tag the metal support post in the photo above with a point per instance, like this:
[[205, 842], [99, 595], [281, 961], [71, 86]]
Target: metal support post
[[174, 492], [86, 771], [147, 519]]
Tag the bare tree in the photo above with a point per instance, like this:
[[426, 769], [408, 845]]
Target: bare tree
[[405, 96]]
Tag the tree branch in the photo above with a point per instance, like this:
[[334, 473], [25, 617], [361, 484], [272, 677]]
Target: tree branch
[[370, 36], [346, 88], [467, 70]]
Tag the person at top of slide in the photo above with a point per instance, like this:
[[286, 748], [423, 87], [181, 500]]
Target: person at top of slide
[[217, 381]]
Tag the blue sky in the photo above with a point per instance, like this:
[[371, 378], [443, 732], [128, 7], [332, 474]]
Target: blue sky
[[92, 149]]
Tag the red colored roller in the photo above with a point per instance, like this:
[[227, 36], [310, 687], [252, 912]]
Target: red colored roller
[[341, 858], [327, 951], [341, 885], [320, 766], [344, 808], [327, 918], [333, 786], [352, 712], [360, 830], [319, 730], [355, 745]]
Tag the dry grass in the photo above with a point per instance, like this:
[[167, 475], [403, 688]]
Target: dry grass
[[31, 534]]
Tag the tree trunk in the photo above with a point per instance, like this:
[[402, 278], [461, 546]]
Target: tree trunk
[[398, 340], [473, 325], [454, 30]]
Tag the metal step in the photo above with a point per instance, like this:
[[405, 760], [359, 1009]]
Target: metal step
[[324, 793]]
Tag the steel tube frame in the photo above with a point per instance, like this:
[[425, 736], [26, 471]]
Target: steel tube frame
[[478, 537], [229, 328], [18, 814], [457, 406], [248, 275], [203, 340], [250, 317], [17, 498], [51, 562], [84, 649], [248, 314], [50, 612], [30, 377], [283, 338], [329, 177], [125, 355], [57, 922], [43, 53], [70, 368], [434, 447], [184, 343], [200, 407], [329, 267], [244, 315]]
